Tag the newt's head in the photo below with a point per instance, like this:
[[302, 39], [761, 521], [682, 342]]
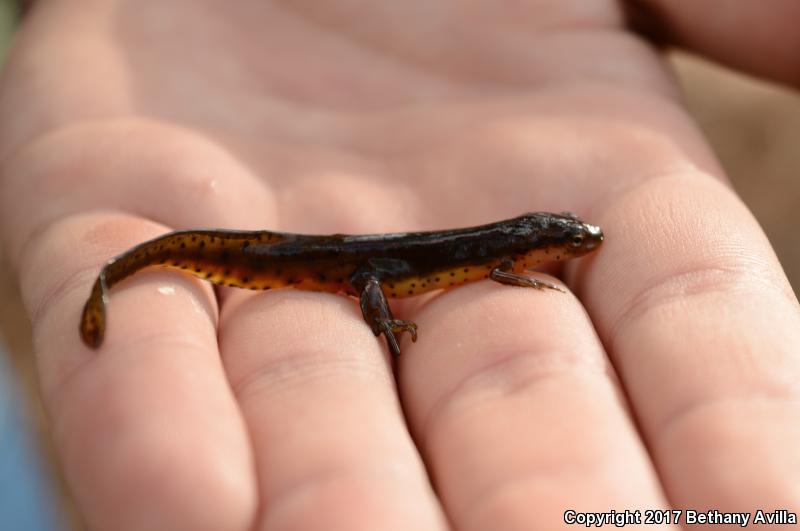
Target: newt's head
[[565, 234]]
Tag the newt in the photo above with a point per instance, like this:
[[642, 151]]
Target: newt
[[370, 267]]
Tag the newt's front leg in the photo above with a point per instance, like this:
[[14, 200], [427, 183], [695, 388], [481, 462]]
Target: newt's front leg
[[505, 275], [378, 315]]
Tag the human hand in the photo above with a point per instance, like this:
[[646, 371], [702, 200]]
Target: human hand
[[671, 376]]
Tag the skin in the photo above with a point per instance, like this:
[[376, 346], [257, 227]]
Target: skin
[[667, 376]]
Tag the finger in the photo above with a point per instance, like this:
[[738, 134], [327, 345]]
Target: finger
[[149, 434], [318, 396], [715, 28], [517, 413], [705, 333]]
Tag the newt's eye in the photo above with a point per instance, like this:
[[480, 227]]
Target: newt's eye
[[577, 240]]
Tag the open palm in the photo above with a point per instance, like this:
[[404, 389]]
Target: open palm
[[668, 379]]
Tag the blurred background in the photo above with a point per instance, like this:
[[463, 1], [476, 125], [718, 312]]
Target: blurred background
[[752, 125]]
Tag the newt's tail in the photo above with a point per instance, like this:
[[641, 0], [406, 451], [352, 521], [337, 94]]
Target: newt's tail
[[93, 319], [208, 254]]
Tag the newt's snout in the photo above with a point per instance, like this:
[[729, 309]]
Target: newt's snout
[[594, 236]]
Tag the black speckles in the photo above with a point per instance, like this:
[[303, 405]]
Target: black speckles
[[183, 245], [225, 256], [184, 266], [226, 273], [410, 292], [202, 244], [197, 270], [245, 245], [340, 280], [194, 239], [558, 257], [209, 274], [176, 264], [292, 280], [413, 285], [452, 274], [245, 280], [466, 270], [394, 294], [163, 261], [265, 288], [451, 282], [486, 276], [391, 286], [437, 279]]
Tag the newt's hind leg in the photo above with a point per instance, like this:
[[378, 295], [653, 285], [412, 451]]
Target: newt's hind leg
[[505, 275], [378, 316]]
